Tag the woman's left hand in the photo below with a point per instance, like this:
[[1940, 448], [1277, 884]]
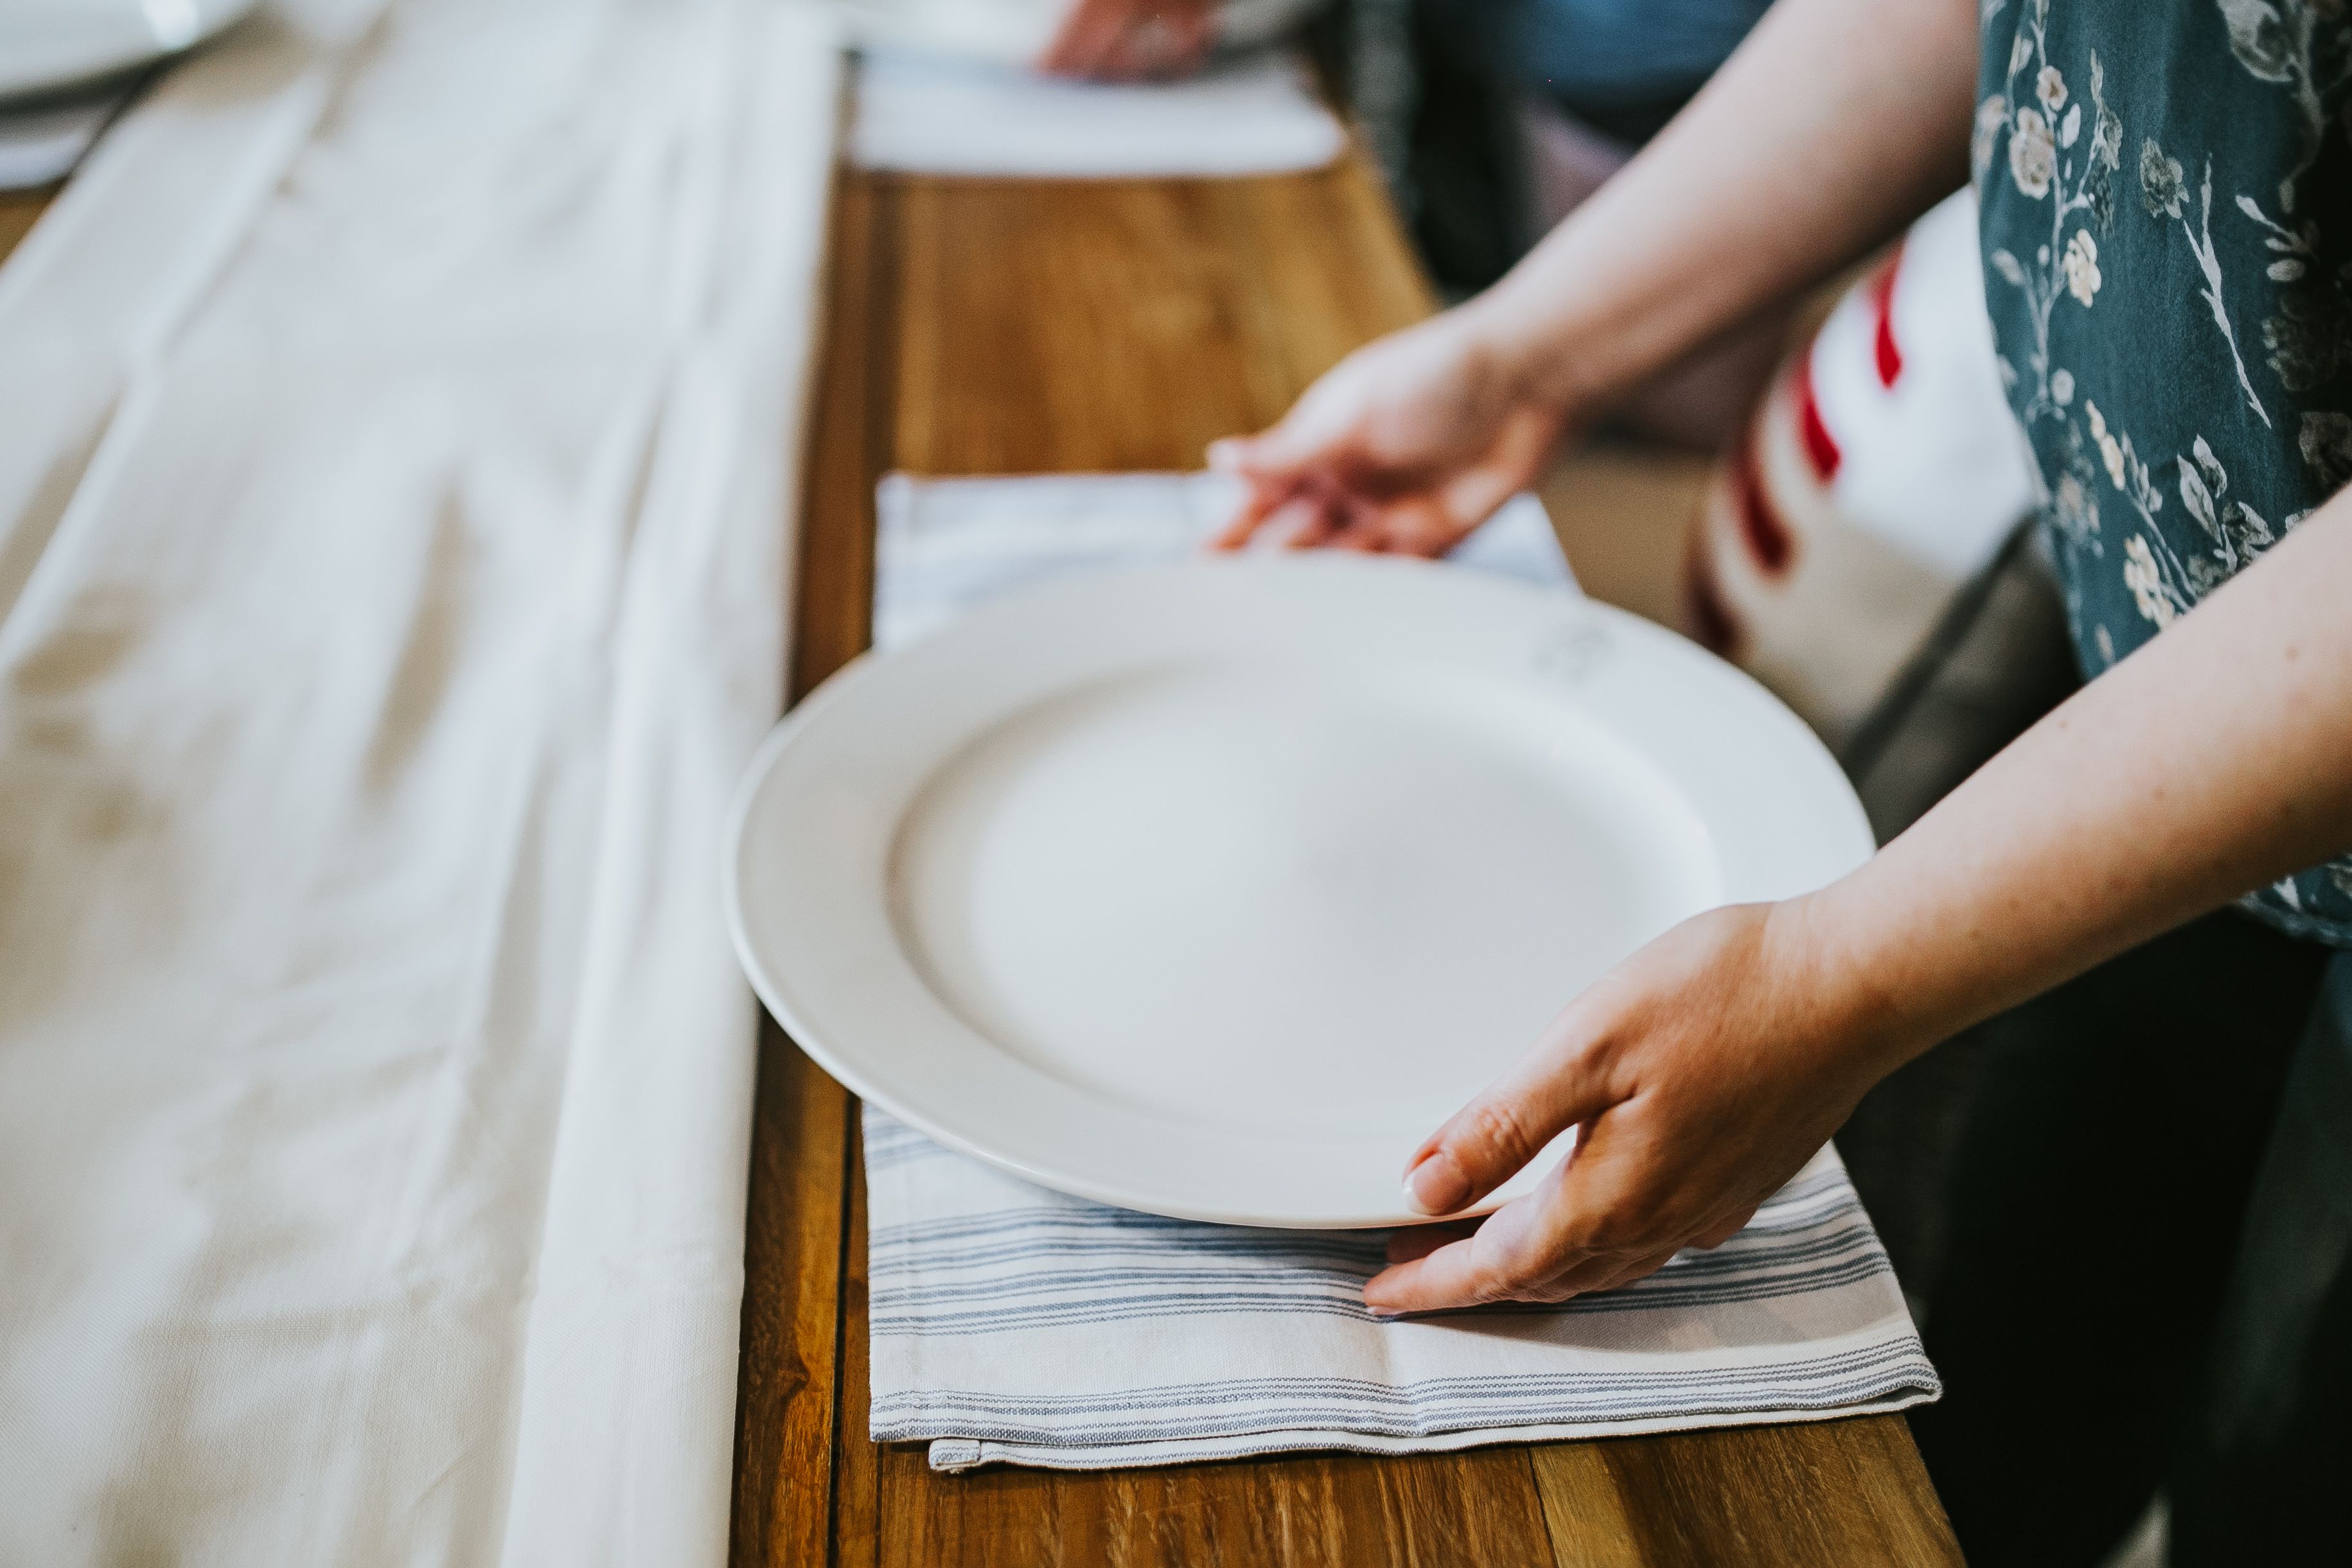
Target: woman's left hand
[[1131, 40], [1703, 1071]]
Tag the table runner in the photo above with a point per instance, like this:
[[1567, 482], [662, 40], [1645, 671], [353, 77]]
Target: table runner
[[401, 412], [1013, 1324]]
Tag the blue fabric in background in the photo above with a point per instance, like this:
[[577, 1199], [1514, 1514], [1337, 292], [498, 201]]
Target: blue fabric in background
[[1601, 52]]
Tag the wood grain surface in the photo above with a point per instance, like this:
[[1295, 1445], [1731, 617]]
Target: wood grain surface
[[19, 210], [989, 326], [978, 327]]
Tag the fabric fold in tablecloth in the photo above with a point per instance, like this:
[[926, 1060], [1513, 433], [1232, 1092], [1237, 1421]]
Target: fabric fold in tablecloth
[[1012, 1324], [403, 410]]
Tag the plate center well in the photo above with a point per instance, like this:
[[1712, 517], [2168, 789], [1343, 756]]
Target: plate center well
[[1328, 900]]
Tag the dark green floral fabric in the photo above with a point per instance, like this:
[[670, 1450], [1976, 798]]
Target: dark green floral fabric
[[2166, 188]]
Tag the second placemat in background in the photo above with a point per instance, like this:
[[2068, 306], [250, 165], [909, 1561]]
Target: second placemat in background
[[943, 545], [925, 113]]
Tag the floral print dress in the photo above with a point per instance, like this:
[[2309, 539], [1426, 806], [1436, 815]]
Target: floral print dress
[[2166, 188]]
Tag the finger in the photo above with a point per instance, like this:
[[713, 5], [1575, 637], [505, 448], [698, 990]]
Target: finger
[[1552, 1088], [1084, 41], [1228, 454], [1514, 1251], [1603, 1274], [1125, 58], [1261, 503], [1305, 520], [1190, 31], [1363, 530], [1722, 1231], [1060, 55], [1271, 486], [1474, 496], [1271, 516], [1419, 527], [1452, 517], [1544, 1263], [1149, 49], [1420, 1241], [1610, 1212], [1448, 1278], [1304, 439], [1517, 457], [1433, 525], [1320, 520]]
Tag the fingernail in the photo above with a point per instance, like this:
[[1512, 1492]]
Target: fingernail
[[1436, 1186]]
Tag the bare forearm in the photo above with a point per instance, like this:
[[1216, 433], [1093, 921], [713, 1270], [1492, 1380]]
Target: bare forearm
[[2212, 761], [1835, 123]]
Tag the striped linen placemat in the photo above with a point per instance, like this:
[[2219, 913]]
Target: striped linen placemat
[[1013, 1324]]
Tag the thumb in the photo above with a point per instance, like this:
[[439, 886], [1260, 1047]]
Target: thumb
[[1492, 1138], [1275, 454], [1516, 459]]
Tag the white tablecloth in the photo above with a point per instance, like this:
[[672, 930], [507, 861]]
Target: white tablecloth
[[400, 418]]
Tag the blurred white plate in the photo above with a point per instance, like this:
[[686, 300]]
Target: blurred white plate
[[1211, 889], [51, 44]]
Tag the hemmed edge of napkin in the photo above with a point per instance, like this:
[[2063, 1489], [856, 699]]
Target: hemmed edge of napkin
[[954, 1456]]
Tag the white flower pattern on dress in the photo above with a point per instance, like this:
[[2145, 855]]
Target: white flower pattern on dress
[[1992, 118], [2110, 450], [2032, 153], [2082, 276], [2147, 582], [2050, 88]]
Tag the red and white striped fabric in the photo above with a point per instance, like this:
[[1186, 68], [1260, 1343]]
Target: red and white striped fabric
[[1881, 471]]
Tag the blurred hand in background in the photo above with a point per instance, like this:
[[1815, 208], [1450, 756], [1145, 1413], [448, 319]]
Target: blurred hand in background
[[1133, 41]]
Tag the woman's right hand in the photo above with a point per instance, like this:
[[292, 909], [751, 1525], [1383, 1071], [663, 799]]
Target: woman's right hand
[[1405, 445]]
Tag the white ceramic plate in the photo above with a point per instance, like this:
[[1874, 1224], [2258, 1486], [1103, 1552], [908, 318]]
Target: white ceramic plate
[[51, 44], [1209, 889]]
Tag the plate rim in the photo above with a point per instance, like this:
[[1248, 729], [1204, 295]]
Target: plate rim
[[24, 89]]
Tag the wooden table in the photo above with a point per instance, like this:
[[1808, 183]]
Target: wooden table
[[983, 327], [986, 328]]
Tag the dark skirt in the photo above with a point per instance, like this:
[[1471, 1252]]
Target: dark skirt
[[2145, 1280]]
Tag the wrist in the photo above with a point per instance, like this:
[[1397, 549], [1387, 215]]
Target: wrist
[[1531, 362], [1849, 999]]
